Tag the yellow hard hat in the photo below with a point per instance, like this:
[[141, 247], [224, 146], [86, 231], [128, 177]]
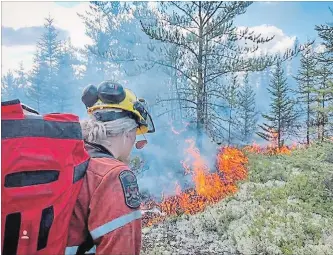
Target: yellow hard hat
[[111, 95]]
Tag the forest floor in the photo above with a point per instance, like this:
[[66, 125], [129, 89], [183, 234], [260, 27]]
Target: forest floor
[[285, 206]]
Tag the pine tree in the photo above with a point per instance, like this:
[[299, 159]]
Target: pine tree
[[120, 21], [174, 108], [325, 32], [49, 47], [281, 117], [324, 100], [104, 43], [212, 49], [36, 93], [231, 98], [43, 90], [246, 112], [306, 84], [324, 90], [22, 82], [9, 87], [67, 83], [21, 76]]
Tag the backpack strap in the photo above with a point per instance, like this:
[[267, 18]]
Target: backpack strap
[[29, 109], [86, 246], [94, 151], [98, 151], [96, 154]]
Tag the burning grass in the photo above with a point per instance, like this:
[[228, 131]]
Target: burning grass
[[284, 207], [209, 187], [271, 149]]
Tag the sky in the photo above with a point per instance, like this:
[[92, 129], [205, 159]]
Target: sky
[[22, 25]]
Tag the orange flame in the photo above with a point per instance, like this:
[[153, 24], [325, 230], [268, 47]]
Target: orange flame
[[272, 148], [208, 187], [211, 187]]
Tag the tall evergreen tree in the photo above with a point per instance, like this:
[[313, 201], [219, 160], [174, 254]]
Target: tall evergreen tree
[[306, 84], [21, 76], [35, 93], [325, 32], [246, 111], [324, 101], [67, 83], [324, 74], [43, 78], [21, 81], [49, 47], [174, 108], [213, 46], [231, 98], [281, 117], [100, 55], [121, 23], [8, 86]]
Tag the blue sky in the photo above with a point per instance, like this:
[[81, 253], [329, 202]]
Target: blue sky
[[291, 17], [294, 18], [22, 19]]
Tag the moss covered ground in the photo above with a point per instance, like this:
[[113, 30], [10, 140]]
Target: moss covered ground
[[284, 207]]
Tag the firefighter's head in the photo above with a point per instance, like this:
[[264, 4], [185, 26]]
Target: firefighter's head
[[116, 118]]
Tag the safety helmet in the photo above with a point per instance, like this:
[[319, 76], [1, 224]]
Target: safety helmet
[[111, 95]]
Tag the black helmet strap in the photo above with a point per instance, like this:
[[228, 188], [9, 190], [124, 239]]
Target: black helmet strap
[[110, 115]]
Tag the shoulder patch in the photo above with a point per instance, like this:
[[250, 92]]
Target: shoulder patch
[[130, 188]]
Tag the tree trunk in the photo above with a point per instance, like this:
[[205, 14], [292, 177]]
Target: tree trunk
[[318, 121], [173, 117], [323, 111], [246, 133], [229, 131], [308, 110], [279, 131], [178, 97], [205, 105], [308, 122], [200, 95]]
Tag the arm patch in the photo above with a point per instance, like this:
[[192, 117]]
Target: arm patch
[[131, 189]]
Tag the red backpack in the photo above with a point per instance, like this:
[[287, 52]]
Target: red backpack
[[43, 165]]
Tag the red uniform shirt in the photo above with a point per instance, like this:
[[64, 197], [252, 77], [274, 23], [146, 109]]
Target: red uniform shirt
[[107, 217]]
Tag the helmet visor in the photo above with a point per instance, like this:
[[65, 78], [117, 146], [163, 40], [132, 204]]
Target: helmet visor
[[141, 106], [150, 123]]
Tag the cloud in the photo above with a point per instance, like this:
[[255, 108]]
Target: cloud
[[26, 35], [320, 48], [28, 17], [31, 14]]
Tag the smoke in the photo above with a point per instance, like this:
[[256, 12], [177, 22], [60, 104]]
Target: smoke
[[166, 149], [163, 157]]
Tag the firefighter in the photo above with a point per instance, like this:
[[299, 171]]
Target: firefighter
[[107, 216]]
